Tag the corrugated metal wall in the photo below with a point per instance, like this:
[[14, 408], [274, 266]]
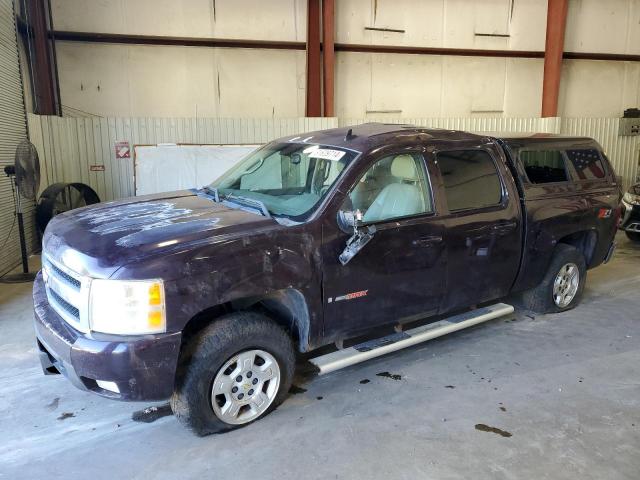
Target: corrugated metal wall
[[13, 129], [69, 146]]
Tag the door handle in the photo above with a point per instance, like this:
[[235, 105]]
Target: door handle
[[503, 228], [427, 241]]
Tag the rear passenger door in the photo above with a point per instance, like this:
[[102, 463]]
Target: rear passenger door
[[482, 225]]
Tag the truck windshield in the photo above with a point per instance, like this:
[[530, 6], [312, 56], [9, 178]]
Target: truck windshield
[[290, 179]]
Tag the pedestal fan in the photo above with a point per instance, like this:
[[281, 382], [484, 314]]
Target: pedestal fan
[[25, 179]]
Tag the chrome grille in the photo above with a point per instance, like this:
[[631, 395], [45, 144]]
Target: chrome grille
[[68, 293], [70, 309], [65, 276]]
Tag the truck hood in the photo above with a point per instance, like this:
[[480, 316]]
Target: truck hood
[[98, 239]]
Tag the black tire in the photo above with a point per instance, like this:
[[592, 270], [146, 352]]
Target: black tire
[[540, 298], [633, 236], [206, 354]]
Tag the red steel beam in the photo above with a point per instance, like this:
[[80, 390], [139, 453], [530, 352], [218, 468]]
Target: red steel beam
[[328, 56], [42, 58], [314, 74], [553, 52]]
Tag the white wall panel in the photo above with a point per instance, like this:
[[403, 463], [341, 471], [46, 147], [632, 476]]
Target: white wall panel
[[126, 80], [273, 20], [603, 26], [432, 85], [117, 80], [446, 23], [598, 89]]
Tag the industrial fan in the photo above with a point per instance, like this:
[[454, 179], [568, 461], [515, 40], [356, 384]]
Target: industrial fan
[[25, 180], [62, 197]]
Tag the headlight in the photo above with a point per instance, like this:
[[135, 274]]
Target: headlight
[[124, 307], [631, 199]]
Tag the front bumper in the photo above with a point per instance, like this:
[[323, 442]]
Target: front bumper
[[143, 368]]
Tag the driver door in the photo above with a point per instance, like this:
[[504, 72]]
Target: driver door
[[400, 274]]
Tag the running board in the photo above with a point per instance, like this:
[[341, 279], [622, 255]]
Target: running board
[[375, 348]]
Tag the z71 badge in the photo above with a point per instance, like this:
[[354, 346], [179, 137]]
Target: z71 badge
[[349, 296]]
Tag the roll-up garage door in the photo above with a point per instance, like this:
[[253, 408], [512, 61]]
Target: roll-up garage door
[[13, 129]]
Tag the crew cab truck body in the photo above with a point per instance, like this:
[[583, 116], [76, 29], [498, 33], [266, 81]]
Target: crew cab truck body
[[203, 296]]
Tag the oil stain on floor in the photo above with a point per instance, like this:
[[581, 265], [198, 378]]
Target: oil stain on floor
[[486, 428], [392, 376]]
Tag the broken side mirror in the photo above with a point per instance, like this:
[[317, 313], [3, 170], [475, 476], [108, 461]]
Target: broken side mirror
[[350, 222]]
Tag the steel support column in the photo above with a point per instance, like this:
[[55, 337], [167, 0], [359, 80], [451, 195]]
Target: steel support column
[[554, 47], [314, 74], [41, 52], [328, 56]]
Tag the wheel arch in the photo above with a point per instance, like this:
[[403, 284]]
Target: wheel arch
[[288, 308], [585, 241]]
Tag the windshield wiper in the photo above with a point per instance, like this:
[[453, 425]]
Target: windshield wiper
[[250, 202], [212, 191]]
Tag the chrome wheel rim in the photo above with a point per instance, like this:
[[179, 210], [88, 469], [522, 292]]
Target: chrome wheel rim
[[566, 285], [245, 386]]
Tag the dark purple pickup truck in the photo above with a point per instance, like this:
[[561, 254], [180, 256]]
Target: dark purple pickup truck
[[204, 296]]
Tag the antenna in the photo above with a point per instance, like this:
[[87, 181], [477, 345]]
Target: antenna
[[349, 135]]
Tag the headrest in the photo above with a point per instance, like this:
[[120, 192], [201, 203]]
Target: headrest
[[404, 166]]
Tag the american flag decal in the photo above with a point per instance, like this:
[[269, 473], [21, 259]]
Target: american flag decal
[[587, 163]]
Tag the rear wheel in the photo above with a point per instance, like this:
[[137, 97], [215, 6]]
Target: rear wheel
[[237, 370], [633, 236], [562, 286]]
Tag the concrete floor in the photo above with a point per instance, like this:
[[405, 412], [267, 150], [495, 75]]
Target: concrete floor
[[566, 388]]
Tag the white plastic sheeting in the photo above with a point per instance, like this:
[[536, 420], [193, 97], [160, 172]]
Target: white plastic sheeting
[[165, 168]]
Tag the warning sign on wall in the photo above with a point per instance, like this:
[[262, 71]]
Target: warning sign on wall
[[123, 150]]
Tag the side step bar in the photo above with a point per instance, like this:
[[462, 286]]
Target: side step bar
[[333, 361]]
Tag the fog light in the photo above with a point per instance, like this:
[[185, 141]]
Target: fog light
[[110, 386]]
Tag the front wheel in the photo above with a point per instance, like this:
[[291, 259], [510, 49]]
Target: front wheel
[[633, 236], [562, 286], [236, 371]]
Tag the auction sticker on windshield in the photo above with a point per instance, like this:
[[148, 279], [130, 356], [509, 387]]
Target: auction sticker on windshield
[[327, 154]]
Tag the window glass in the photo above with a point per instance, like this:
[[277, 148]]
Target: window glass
[[543, 166], [288, 178], [470, 179], [585, 164], [395, 186]]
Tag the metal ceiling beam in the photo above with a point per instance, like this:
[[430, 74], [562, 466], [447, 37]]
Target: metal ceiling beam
[[91, 37], [117, 38]]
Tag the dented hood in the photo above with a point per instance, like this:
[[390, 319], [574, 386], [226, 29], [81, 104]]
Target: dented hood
[[98, 239]]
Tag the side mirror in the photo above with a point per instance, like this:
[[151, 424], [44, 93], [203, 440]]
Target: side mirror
[[348, 220]]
